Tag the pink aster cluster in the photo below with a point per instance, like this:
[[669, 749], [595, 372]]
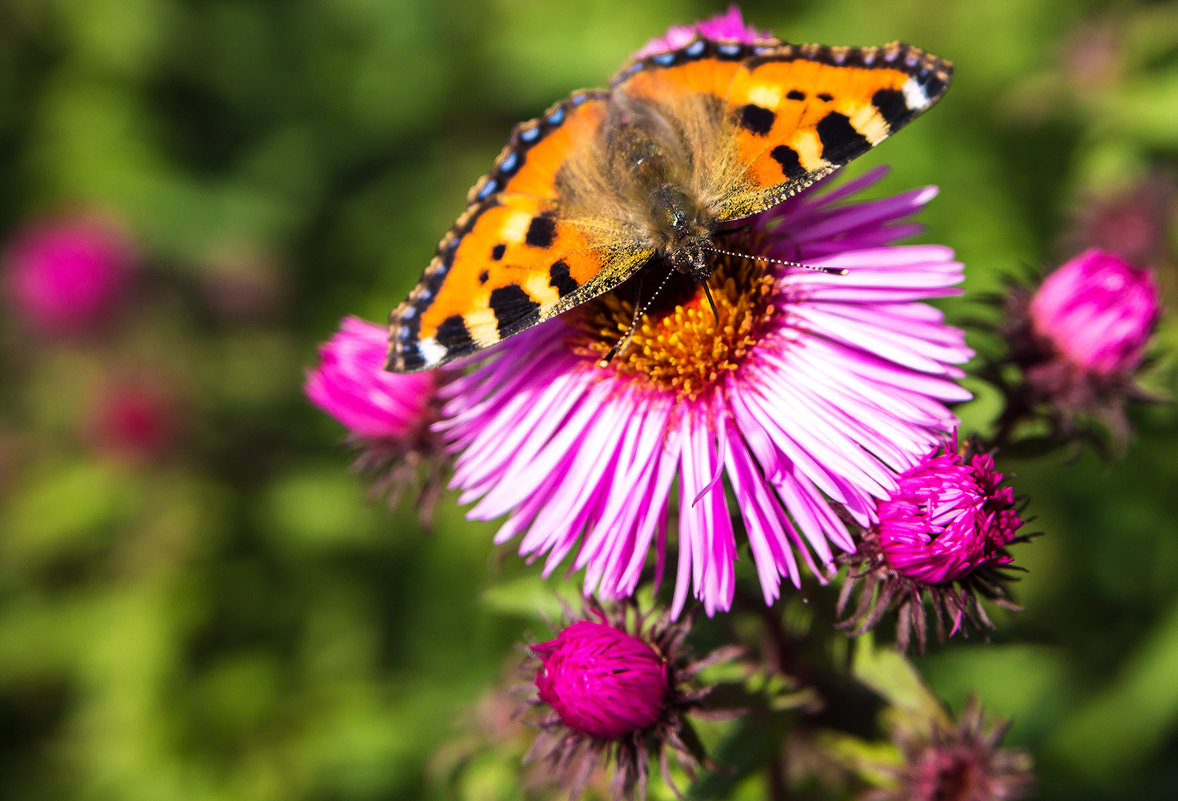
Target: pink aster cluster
[[67, 276], [801, 414]]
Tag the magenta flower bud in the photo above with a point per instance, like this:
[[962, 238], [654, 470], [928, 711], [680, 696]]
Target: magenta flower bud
[[602, 681], [138, 419], [943, 535], [616, 686], [947, 518], [67, 276], [1098, 312]]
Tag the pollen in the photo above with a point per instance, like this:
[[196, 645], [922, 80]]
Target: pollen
[[678, 346]]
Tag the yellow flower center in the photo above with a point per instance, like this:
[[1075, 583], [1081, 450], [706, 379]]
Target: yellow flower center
[[678, 345]]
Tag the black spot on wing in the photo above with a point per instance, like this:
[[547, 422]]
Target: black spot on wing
[[498, 251], [510, 304], [541, 232], [453, 334], [560, 279], [891, 105], [934, 85], [756, 119], [795, 94], [787, 157], [840, 141], [825, 97], [405, 358], [483, 276]]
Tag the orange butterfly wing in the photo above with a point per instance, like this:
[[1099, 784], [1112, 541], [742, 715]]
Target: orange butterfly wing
[[792, 113], [515, 257]]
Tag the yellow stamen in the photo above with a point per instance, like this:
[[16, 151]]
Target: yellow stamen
[[679, 346]]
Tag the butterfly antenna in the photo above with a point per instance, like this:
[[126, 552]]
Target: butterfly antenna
[[639, 312], [826, 270]]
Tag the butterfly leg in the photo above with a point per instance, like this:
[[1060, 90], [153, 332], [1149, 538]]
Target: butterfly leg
[[712, 303], [639, 312]]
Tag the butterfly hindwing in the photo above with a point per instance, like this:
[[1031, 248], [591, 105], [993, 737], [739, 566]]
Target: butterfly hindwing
[[513, 258]]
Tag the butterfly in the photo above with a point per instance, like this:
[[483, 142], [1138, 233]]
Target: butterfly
[[649, 171]]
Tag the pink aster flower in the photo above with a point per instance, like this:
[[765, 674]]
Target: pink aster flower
[[943, 533], [1077, 342], [387, 415], [727, 26], [67, 276], [617, 686], [811, 388]]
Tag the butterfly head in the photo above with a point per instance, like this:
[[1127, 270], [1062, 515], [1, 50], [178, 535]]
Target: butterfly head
[[686, 230]]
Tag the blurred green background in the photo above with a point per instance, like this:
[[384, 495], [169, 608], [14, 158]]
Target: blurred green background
[[228, 616]]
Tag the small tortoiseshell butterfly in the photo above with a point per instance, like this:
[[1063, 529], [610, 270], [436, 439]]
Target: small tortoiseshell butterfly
[[651, 169]]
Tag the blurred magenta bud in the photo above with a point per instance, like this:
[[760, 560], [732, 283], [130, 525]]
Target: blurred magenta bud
[[138, 419], [1098, 312]]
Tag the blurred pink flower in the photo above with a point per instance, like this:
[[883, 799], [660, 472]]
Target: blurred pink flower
[[956, 761], [388, 415], [726, 26], [1098, 312], [67, 276]]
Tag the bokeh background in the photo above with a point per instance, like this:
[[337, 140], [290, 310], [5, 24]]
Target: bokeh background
[[198, 600]]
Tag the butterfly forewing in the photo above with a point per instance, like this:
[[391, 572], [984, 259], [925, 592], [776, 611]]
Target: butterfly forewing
[[802, 111]]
